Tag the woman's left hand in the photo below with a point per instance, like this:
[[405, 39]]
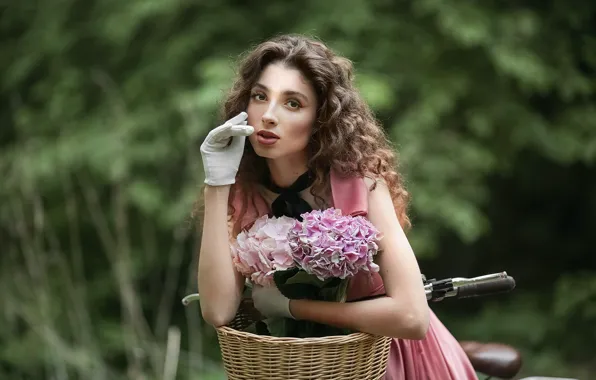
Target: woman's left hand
[[269, 301]]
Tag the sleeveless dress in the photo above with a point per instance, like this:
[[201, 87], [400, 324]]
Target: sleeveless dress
[[438, 356]]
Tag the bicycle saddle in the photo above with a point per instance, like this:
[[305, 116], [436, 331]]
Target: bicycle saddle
[[493, 359]]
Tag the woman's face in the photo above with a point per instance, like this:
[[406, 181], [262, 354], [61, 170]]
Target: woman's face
[[282, 109]]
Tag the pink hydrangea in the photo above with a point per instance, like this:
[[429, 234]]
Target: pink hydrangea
[[263, 249], [328, 244]]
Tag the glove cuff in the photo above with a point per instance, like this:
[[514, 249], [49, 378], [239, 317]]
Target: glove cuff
[[288, 311], [221, 182]]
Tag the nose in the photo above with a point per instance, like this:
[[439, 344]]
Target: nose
[[269, 119]]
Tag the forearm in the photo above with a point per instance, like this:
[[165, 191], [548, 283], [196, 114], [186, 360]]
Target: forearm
[[380, 316], [220, 285]]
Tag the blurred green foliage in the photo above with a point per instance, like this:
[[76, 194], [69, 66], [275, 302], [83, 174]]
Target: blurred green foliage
[[103, 106]]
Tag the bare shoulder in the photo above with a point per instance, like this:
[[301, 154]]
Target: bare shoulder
[[376, 185], [381, 210]]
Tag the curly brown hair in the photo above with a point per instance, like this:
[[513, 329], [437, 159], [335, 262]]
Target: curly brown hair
[[346, 135]]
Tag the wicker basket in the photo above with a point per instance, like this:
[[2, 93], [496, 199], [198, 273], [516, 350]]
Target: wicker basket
[[357, 356]]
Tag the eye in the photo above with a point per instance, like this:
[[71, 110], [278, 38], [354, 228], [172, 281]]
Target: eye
[[294, 104], [258, 96]]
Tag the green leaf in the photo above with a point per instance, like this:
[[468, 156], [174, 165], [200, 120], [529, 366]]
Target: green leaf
[[300, 291], [276, 326]]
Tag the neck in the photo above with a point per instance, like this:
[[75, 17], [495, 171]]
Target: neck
[[286, 172]]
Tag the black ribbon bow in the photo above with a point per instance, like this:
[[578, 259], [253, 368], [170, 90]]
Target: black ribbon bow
[[289, 202]]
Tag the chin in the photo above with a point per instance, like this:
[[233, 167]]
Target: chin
[[264, 152], [274, 152]]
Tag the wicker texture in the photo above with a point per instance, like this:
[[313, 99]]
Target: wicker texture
[[357, 356]]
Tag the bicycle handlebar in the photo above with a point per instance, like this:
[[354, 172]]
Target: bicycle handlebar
[[460, 287], [457, 287]]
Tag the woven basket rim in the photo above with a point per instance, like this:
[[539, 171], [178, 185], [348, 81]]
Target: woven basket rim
[[326, 340]]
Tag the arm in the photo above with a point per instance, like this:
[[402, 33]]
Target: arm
[[403, 312], [220, 285]]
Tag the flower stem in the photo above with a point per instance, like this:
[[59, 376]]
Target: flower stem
[[342, 291]]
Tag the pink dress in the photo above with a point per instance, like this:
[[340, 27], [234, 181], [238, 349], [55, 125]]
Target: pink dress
[[436, 357]]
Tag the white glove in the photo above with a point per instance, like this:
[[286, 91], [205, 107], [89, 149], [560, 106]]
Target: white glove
[[269, 301], [222, 158]]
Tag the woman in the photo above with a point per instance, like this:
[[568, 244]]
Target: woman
[[296, 102]]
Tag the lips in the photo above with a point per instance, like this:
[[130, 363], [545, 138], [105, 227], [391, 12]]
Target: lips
[[266, 137], [267, 134]]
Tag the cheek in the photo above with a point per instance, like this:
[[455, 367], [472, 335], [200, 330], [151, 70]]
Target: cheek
[[255, 113], [300, 133]]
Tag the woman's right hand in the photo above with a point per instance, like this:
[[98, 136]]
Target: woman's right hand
[[221, 157]]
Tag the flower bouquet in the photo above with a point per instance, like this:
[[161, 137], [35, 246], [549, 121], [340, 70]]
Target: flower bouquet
[[310, 259]]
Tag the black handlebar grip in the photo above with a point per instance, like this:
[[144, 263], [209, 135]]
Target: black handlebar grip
[[500, 285]]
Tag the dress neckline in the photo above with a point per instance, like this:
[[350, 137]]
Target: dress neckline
[[289, 201]]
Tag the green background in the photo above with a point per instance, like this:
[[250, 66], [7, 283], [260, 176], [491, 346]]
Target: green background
[[103, 107]]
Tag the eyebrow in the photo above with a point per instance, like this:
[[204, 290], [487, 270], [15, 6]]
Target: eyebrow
[[288, 92]]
